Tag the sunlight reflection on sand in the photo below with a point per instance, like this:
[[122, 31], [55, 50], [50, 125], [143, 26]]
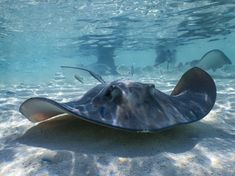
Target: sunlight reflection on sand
[[202, 148]]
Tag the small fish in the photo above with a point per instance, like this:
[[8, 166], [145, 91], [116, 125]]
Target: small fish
[[80, 79]]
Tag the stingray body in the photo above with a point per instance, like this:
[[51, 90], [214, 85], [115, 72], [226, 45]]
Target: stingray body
[[134, 106], [213, 59]]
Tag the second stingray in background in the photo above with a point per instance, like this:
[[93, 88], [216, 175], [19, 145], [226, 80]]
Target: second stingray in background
[[212, 60]]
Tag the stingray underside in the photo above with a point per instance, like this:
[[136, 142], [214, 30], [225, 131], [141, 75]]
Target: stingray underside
[[134, 106]]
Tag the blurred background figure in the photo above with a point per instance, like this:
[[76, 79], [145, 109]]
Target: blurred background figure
[[105, 56], [165, 54]]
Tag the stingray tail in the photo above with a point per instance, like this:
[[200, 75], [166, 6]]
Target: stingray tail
[[196, 80]]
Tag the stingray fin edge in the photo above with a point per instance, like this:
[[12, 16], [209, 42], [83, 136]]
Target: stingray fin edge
[[196, 80], [39, 109]]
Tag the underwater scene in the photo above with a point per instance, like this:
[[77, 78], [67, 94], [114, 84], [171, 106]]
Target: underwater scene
[[120, 87]]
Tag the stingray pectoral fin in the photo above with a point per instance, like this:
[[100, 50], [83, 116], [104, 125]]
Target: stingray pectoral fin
[[39, 109], [196, 80], [197, 90]]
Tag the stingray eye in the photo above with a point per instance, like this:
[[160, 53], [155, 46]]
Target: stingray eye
[[113, 93], [108, 93], [151, 88]]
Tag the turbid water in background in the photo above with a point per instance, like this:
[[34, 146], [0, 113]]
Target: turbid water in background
[[37, 37]]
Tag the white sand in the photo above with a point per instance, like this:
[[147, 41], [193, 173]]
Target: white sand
[[72, 147]]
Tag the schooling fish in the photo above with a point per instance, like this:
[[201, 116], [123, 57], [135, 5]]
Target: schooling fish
[[134, 106]]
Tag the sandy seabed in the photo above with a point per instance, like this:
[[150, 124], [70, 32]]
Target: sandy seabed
[[67, 146]]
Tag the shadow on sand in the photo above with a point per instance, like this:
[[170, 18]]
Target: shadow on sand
[[89, 149], [69, 133]]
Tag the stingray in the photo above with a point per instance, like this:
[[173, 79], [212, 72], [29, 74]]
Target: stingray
[[133, 106], [213, 59]]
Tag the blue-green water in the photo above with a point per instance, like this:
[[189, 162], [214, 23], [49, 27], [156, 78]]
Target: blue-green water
[[38, 36]]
